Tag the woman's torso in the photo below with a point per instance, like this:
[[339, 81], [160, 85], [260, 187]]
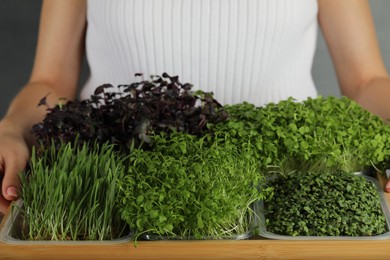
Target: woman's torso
[[258, 51]]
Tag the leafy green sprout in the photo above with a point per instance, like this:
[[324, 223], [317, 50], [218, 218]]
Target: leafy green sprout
[[189, 187], [335, 130], [324, 204], [71, 194]]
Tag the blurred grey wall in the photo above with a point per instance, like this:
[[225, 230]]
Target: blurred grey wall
[[323, 71], [18, 34]]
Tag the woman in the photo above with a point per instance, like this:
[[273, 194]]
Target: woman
[[253, 50]]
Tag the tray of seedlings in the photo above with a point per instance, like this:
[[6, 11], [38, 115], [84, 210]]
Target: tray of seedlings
[[137, 162], [325, 206], [68, 196], [154, 160], [189, 189]]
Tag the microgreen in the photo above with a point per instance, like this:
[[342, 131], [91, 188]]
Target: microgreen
[[70, 194], [195, 167], [324, 204], [336, 130], [130, 113], [188, 187]]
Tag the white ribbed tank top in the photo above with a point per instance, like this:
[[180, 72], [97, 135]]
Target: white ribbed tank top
[[258, 51]]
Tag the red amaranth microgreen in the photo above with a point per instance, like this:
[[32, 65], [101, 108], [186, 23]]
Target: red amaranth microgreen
[[131, 113]]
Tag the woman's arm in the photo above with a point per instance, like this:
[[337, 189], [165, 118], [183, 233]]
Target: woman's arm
[[350, 34], [349, 31], [57, 63], [55, 73]]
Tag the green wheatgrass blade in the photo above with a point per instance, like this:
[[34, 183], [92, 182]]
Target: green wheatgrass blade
[[71, 195]]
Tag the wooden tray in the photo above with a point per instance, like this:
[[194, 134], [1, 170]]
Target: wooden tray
[[241, 249]]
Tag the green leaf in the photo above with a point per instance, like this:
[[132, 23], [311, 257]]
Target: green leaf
[[140, 199]]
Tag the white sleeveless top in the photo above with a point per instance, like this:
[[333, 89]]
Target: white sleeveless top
[[258, 51]]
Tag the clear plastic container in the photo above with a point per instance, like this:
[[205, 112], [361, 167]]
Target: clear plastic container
[[234, 237], [11, 232], [254, 225], [263, 232]]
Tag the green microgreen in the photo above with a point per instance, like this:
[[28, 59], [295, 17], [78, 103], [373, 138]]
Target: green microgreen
[[189, 187], [324, 204], [335, 130], [70, 194]]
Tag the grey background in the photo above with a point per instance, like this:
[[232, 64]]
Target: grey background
[[18, 34]]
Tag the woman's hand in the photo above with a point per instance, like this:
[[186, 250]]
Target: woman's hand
[[14, 154], [387, 187]]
